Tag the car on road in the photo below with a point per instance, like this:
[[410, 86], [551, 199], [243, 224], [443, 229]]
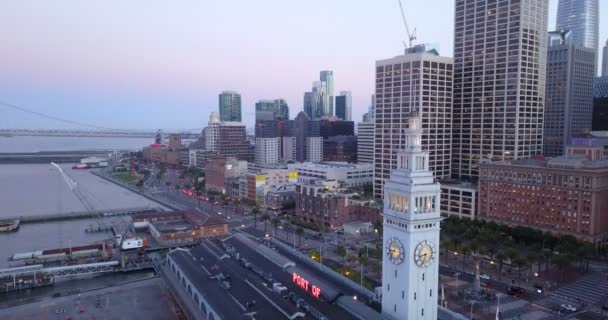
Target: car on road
[[568, 307], [516, 291], [484, 276]]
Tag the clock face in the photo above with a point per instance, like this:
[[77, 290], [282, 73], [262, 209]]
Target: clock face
[[424, 254], [395, 251]]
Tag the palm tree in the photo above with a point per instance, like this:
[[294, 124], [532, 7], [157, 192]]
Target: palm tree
[[299, 232], [275, 222], [446, 245], [464, 250], [500, 257], [547, 256], [562, 262], [255, 212], [198, 196], [519, 263], [265, 218]]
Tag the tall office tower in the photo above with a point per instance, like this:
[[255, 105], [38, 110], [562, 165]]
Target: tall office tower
[[281, 109], [600, 104], [569, 93], [308, 108], [605, 61], [582, 17], [271, 110], [232, 141], [308, 140], [230, 106], [371, 111], [343, 105], [319, 99], [500, 49], [328, 78], [212, 132], [365, 142], [421, 81], [267, 150]]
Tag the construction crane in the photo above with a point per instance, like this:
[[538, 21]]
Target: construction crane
[[411, 36]]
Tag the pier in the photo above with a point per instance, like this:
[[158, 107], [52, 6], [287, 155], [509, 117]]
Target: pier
[[82, 215]]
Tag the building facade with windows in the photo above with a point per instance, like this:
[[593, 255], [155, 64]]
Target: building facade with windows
[[230, 106], [419, 81], [569, 93], [565, 195], [500, 50]]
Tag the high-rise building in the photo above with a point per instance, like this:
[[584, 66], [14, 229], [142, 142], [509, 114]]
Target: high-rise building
[[232, 141], [340, 148], [271, 110], [327, 77], [319, 99], [308, 140], [600, 104], [267, 150], [333, 127], [500, 51], [371, 111], [308, 106], [230, 106], [344, 105], [410, 264], [582, 18], [319, 102], [569, 92], [212, 132], [365, 142], [420, 81], [605, 60]]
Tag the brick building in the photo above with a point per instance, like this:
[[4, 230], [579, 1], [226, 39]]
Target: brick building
[[567, 195], [220, 168], [325, 204]]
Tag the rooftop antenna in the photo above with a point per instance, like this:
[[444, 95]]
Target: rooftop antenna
[[411, 36]]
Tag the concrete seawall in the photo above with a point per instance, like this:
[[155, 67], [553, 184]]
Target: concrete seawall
[[136, 190]]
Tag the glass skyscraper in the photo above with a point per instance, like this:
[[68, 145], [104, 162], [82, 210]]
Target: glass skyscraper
[[581, 17], [230, 106], [569, 93]]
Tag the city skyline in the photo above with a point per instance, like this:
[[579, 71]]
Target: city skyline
[[168, 75]]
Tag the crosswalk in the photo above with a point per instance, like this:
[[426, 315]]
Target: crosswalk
[[588, 290], [590, 316]]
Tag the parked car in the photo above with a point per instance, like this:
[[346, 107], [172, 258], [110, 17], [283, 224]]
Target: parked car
[[484, 276]]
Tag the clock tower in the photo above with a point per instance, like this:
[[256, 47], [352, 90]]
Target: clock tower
[[410, 268]]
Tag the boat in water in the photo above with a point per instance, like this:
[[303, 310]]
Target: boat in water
[[9, 225]]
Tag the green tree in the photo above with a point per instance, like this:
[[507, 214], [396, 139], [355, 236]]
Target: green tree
[[299, 232], [519, 263]]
